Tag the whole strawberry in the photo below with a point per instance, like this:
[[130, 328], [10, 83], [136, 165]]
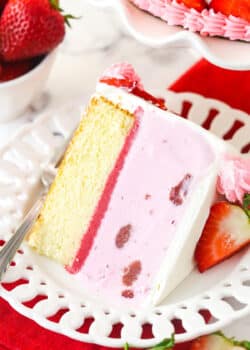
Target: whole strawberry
[[13, 70], [237, 8], [30, 28], [2, 4], [198, 5]]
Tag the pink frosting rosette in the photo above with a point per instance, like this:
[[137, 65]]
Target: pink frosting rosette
[[234, 178]]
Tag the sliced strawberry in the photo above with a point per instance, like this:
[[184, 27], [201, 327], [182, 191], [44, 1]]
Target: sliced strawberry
[[10, 71], [208, 342], [212, 342], [198, 5], [217, 341], [237, 8], [226, 231]]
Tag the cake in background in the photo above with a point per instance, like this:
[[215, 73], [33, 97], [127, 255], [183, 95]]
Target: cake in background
[[132, 194], [223, 18]]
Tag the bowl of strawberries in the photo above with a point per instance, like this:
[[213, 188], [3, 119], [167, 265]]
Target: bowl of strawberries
[[30, 32]]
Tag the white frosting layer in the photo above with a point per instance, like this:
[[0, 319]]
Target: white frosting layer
[[163, 234]]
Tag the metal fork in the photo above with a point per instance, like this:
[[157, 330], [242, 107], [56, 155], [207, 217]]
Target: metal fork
[[10, 248]]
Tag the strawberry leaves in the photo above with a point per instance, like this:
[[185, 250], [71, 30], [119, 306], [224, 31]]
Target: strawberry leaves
[[246, 204], [244, 344], [165, 344], [55, 5], [170, 343], [67, 17]]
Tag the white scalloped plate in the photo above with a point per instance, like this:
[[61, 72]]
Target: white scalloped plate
[[45, 289], [156, 33]]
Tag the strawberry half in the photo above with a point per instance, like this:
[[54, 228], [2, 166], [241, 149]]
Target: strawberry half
[[237, 8], [198, 5], [226, 231], [218, 341], [210, 342], [10, 71], [30, 28]]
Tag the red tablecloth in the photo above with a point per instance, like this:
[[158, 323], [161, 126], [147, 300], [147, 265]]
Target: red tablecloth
[[229, 86], [20, 333]]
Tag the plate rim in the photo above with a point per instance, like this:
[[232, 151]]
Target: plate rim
[[16, 304]]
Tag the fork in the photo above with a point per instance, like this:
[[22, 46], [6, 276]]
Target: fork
[[10, 248]]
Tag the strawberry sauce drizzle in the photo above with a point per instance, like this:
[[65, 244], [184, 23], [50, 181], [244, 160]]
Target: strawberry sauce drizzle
[[102, 206], [133, 88], [157, 101]]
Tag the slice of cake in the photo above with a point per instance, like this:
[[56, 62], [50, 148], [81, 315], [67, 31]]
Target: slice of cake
[[132, 194], [224, 18], [81, 192]]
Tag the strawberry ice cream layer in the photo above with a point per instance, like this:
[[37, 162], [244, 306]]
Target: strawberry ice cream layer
[[206, 22], [144, 245]]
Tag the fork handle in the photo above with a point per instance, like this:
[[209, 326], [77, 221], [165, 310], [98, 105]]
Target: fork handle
[[10, 248]]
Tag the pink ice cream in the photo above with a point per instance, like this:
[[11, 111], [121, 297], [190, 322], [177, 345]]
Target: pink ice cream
[[160, 200], [234, 178], [206, 22], [164, 167]]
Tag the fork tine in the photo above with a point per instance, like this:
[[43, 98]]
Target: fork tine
[[9, 249]]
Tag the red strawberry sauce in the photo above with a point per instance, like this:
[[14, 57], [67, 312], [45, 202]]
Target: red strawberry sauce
[[135, 90]]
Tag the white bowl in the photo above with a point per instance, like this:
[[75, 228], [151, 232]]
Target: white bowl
[[17, 94]]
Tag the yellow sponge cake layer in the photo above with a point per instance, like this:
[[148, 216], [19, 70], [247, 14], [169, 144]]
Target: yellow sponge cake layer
[[81, 180]]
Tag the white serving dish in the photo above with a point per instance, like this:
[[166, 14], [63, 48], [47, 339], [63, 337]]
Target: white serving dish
[[17, 94], [223, 291], [156, 33]]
